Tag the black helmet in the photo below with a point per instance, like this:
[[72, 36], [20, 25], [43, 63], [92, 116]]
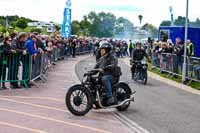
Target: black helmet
[[106, 45], [138, 43]]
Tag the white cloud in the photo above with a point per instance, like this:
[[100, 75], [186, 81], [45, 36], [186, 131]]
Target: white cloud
[[154, 11]]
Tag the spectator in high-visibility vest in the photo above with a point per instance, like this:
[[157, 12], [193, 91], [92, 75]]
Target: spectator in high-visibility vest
[[131, 47], [190, 48]]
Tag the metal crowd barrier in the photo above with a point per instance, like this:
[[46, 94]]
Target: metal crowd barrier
[[172, 64], [38, 67], [83, 50], [15, 69], [155, 60], [193, 69], [28, 68]]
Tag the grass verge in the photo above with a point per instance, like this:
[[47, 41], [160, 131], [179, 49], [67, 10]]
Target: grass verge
[[195, 85]]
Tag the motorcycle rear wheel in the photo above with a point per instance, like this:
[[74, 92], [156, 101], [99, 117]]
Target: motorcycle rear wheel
[[123, 89]]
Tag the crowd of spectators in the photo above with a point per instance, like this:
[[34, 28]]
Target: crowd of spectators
[[19, 45], [16, 49], [169, 47], [171, 55]]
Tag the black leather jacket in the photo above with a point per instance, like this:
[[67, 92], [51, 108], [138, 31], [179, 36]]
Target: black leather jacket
[[107, 63], [139, 54], [18, 46]]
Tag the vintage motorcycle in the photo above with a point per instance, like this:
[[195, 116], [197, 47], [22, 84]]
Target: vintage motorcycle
[[140, 73], [90, 94]]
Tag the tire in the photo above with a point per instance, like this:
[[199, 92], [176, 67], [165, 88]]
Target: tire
[[135, 78], [128, 95], [68, 100], [145, 78]]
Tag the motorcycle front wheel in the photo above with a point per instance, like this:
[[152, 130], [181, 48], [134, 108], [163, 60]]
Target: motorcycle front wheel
[[78, 100], [136, 75], [145, 77]]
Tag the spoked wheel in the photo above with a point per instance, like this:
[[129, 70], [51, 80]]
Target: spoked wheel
[[78, 100], [135, 77], [123, 94], [145, 77]]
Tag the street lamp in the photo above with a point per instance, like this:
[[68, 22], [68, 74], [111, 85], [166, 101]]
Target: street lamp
[[185, 45], [172, 16]]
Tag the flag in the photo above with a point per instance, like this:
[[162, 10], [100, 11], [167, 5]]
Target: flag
[[66, 25]]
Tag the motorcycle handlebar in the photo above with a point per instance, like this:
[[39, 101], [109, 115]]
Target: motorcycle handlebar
[[96, 70]]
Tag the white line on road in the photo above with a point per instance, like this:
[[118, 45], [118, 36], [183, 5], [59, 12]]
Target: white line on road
[[131, 124], [56, 120], [21, 127]]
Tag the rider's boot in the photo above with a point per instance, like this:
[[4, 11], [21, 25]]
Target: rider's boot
[[111, 101], [132, 76]]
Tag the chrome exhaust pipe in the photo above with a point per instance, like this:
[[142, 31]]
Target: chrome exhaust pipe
[[122, 103]]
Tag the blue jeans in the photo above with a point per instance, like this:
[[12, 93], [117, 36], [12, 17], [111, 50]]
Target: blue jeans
[[107, 81]]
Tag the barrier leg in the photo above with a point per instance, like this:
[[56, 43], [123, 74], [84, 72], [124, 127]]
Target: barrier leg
[[25, 84]]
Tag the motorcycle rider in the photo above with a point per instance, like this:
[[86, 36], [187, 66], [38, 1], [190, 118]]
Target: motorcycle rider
[[138, 54], [107, 63]]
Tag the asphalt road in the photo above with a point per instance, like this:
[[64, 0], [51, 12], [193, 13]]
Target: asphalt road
[[43, 109], [159, 107]]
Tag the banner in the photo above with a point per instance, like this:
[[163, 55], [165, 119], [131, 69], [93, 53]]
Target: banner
[[67, 25]]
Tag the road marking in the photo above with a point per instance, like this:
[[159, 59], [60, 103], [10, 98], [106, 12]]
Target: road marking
[[34, 105], [52, 108], [22, 127], [42, 98], [55, 120], [131, 124]]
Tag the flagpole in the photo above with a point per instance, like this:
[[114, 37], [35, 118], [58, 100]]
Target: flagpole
[[6, 23]]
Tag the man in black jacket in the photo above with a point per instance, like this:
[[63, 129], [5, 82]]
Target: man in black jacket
[[178, 59], [19, 46], [107, 63], [138, 54], [73, 45]]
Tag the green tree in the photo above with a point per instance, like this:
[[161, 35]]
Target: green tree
[[101, 25], [123, 28], [85, 26], [180, 21], [196, 23], [22, 23], [36, 30], [2, 22], [3, 29], [57, 27], [75, 27], [165, 23], [95, 22], [150, 28], [107, 24]]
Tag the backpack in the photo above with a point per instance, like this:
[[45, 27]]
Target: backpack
[[116, 71]]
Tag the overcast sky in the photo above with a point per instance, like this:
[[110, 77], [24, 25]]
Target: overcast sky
[[154, 11]]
